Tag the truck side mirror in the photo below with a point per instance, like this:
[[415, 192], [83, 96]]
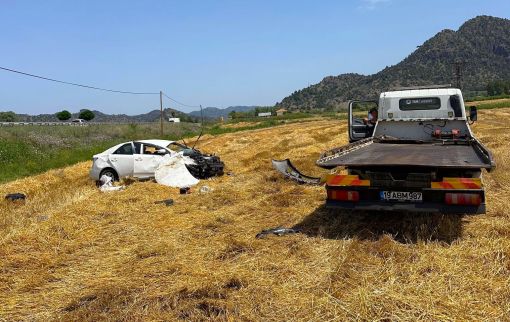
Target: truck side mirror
[[473, 114]]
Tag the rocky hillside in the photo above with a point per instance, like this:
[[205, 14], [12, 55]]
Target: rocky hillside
[[483, 43]]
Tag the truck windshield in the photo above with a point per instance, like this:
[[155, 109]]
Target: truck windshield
[[422, 103]]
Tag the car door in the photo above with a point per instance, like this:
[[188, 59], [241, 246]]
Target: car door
[[122, 160], [148, 160]]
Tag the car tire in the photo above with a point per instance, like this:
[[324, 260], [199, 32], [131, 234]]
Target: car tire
[[110, 173]]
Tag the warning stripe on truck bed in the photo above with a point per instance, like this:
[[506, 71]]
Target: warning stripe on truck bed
[[346, 180], [457, 183]]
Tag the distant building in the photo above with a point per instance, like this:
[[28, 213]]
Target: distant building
[[280, 112], [174, 120], [265, 114]]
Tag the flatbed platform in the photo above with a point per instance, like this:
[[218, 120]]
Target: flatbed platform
[[370, 153]]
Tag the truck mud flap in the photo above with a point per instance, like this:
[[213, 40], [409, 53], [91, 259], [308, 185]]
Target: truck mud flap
[[286, 168]]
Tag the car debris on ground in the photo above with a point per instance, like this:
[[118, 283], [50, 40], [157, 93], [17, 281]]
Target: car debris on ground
[[205, 189], [167, 202], [15, 196], [185, 190], [286, 168], [106, 184], [278, 231]]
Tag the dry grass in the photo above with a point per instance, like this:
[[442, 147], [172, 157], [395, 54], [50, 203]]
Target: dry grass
[[73, 253], [497, 100]]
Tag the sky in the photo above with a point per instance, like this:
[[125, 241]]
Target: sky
[[210, 53]]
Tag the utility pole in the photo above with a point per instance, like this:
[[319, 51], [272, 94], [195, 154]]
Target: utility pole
[[459, 66], [161, 115]]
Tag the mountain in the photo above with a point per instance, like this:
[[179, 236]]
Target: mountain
[[216, 113], [482, 43]]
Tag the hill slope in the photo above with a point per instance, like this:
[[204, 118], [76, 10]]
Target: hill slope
[[482, 42]]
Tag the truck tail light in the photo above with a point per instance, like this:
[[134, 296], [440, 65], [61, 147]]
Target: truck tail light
[[343, 195], [469, 199]]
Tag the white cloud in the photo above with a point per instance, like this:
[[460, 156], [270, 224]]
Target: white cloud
[[372, 4]]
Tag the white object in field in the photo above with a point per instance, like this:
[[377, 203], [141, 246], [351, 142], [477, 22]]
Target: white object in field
[[174, 120], [107, 184], [172, 171], [264, 114], [205, 189]]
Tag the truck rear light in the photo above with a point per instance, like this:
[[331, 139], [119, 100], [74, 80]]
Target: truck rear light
[[471, 199], [343, 195]]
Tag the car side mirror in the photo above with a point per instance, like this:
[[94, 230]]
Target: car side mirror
[[473, 113], [161, 151]]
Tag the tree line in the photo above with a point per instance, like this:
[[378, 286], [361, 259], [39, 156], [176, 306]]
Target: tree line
[[253, 113], [64, 115], [498, 87]]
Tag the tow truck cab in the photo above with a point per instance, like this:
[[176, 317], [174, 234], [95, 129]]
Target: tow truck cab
[[420, 155]]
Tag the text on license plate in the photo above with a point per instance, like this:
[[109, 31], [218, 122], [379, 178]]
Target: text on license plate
[[401, 195]]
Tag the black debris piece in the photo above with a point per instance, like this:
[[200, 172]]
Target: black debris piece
[[184, 190], [16, 196], [286, 168], [279, 231], [167, 202]]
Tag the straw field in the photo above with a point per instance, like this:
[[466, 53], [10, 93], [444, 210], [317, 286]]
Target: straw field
[[73, 253]]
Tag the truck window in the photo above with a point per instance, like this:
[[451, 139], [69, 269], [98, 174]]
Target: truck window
[[422, 103]]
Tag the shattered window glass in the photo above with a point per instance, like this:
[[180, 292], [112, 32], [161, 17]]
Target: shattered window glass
[[153, 149], [176, 147]]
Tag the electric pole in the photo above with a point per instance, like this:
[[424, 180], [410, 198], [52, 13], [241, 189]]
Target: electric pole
[[161, 115], [459, 66]]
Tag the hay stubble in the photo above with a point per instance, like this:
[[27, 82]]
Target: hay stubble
[[71, 252]]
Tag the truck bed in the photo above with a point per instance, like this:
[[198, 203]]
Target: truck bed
[[471, 155]]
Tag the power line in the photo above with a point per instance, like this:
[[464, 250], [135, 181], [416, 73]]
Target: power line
[[186, 105], [75, 84], [95, 87]]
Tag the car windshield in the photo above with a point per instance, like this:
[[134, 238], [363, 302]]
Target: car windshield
[[177, 147]]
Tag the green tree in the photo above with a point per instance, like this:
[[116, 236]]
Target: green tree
[[232, 115], [8, 117], [87, 115], [63, 115]]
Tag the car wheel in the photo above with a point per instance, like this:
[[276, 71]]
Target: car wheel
[[109, 173]]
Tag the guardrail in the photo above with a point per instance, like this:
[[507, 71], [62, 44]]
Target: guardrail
[[69, 123]]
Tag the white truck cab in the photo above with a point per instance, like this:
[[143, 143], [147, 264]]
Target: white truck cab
[[413, 114]]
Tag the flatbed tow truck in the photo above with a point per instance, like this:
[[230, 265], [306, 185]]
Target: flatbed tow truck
[[418, 155]]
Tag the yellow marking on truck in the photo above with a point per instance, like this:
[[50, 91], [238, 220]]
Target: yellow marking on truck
[[346, 180], [457, 183]]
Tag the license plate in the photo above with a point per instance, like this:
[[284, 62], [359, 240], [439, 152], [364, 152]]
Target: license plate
[[401, 196]]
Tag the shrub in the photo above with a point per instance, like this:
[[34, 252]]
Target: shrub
[[63, 115]]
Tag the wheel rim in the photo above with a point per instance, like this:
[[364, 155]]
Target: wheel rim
[[109, 174]]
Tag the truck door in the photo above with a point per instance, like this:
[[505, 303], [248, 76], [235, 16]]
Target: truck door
[[362, 117]]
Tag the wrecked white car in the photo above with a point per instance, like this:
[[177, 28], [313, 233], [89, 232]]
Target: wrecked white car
[[141, 159]]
